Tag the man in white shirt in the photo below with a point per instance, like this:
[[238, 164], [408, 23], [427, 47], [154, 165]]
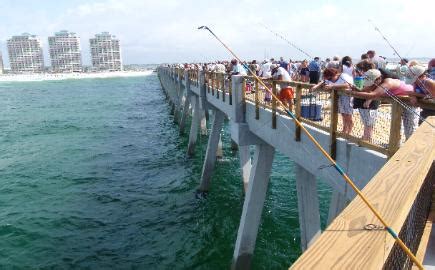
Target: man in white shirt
[[286, 94], [219, 67], [265, 70]]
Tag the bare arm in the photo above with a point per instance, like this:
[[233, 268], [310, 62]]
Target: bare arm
[[317, 86]]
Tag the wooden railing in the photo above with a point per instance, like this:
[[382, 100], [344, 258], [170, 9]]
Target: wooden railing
[[401, 191], [387, 132]]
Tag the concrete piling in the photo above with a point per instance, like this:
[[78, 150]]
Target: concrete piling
[[253, 206]]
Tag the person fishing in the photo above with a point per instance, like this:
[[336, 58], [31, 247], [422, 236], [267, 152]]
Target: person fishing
[[286, 93], [376, 86], [334, 80], [425, 85], [368, 114]]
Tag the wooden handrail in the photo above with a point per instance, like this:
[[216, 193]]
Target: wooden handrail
[[388, 144], [347, 243]]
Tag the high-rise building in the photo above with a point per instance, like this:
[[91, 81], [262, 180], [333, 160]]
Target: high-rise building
[[65, 52], [106, 52], [25, 54], [1, 64]]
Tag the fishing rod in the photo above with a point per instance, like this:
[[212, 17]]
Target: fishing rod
[[400, 57], [353, 86], [286, 40], [323, 151]]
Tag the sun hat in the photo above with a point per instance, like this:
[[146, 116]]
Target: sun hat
[[416, 71], [370, 77]]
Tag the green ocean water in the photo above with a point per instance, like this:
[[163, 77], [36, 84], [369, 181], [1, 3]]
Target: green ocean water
[[94, 176]]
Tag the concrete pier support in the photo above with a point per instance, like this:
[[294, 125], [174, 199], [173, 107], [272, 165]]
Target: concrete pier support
[[210, 155], [178, 98], [203, 123], [245, 165], [308, 206], [193, 135], [219, 151], [253, 207], [186, 104], [172, 112], [203, 103], [338, 203]]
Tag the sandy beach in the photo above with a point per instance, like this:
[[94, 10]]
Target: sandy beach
[[69, 76]]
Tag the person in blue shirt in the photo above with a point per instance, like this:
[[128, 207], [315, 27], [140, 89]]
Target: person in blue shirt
[[314, 69], [237, 69], [283, 64]]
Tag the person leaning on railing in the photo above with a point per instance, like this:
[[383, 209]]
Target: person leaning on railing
[[368, 114], [286, 94], [334, 80], [377, 86], [423, 84]]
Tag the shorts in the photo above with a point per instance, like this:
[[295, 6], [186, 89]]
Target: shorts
[[345, 105], [286, 94], [368, 117]]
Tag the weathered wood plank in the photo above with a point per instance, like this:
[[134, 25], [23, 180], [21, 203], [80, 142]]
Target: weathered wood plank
[[345, 244]]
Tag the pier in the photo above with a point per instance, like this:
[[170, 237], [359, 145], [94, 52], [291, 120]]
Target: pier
[[386, 170]]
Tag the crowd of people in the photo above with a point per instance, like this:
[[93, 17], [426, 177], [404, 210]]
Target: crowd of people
[[367, 81]]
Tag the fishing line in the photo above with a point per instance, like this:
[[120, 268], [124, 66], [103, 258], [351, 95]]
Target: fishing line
[[400, 57], [333, 162], [394, 97], [286, 40]]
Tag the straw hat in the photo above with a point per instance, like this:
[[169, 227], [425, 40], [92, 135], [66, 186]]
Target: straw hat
[[416, 71], [370, 77]]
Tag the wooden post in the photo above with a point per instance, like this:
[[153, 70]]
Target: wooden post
[[223, 86], [230, 90], [396, 121], [207, 80], [298, 112], [274, 105], [212, 83], [333, 124], [216, 76], [244, 99], [257, 101]]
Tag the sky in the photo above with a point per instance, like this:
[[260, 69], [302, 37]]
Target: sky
[[165, 31]]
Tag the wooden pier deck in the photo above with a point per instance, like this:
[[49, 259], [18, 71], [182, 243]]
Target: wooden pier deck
[[402, 192]]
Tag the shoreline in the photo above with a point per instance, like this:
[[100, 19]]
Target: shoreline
[[70, 76]]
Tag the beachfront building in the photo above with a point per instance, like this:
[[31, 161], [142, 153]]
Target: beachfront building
[[105, 52], [65, 52], [25, 54]]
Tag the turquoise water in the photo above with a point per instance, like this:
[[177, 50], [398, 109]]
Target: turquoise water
[[94, 176]]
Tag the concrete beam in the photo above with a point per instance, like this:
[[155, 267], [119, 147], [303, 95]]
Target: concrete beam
[[210, 154], [193, 135], [245, 165], [308, 206], [186, 104], [253, 207]]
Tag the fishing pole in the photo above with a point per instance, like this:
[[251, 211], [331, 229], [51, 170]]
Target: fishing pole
[[339, 169], [400, 57], [286, 40]]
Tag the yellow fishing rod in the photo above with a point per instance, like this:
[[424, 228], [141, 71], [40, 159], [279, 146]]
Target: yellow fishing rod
[[333, 162]]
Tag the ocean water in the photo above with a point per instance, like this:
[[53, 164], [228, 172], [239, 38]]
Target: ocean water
[[93, 175]]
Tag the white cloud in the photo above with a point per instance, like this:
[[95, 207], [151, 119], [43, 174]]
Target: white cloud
[[165, 31]]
